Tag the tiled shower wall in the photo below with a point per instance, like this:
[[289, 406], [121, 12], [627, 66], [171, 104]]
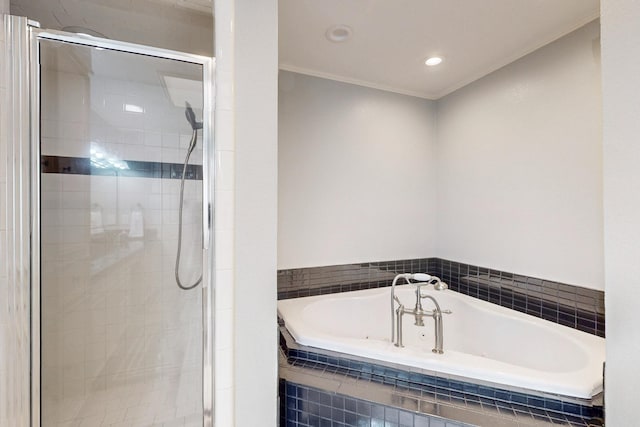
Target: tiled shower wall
[[569, 305], [115, 326], [120, 341]]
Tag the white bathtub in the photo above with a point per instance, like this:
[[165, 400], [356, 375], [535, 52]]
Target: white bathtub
[[482, 341]]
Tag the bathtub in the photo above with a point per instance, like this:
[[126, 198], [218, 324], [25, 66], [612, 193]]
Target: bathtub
[[483, 342]]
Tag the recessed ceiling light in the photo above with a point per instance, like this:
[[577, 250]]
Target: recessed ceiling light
[[434, 60], [339, 33]]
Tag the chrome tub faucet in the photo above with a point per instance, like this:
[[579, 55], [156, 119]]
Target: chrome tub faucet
[[418, 312]]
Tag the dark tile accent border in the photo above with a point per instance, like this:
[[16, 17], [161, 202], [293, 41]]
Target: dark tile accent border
[[573, 306], [302, 282], [141, 169]]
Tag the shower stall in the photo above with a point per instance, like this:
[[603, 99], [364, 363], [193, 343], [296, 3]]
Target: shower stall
[[113, 184]]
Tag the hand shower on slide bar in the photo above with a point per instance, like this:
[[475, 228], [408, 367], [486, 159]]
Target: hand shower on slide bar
[[195, 125]]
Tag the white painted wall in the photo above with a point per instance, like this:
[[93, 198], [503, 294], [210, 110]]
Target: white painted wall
[[621, 127], [255, 79], [516, 168], [520, 166], [356, 175]]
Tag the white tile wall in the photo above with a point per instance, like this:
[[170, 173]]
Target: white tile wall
[[224, 186], [121, 343], [93, 108], [114, 322]]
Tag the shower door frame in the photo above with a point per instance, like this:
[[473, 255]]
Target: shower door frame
[[208, 65]]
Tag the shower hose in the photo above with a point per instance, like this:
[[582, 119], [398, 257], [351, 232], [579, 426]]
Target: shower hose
[[192, 145]]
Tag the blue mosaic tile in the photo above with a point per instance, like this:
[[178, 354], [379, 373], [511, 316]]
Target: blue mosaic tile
[[367, 414], [453, 391]]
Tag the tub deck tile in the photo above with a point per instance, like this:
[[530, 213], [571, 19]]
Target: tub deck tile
[[354, 397]]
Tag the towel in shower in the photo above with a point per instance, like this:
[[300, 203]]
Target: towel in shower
[[136, 224], [96, 221]]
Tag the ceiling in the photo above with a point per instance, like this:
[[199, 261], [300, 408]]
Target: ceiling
[[183, 25], [388, 47], [391, 39]]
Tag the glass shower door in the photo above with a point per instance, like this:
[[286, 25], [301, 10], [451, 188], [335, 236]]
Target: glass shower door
[[121, 343]]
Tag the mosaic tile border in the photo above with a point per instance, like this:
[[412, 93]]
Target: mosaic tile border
[[573, 306], [441, 387], [440, 409], [135, 168], [302, 406]]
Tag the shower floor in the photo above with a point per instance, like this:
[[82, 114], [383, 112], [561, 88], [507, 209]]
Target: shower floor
[[160, 403]]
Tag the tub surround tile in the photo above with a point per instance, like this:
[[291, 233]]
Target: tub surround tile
[[301, 405], [300, 282], [304, 402], [573, 306], [425, 382], [374, 386], [324, 378]]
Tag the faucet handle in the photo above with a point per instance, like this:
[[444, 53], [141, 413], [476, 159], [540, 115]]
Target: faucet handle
[[435, 312], [421, 277]]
